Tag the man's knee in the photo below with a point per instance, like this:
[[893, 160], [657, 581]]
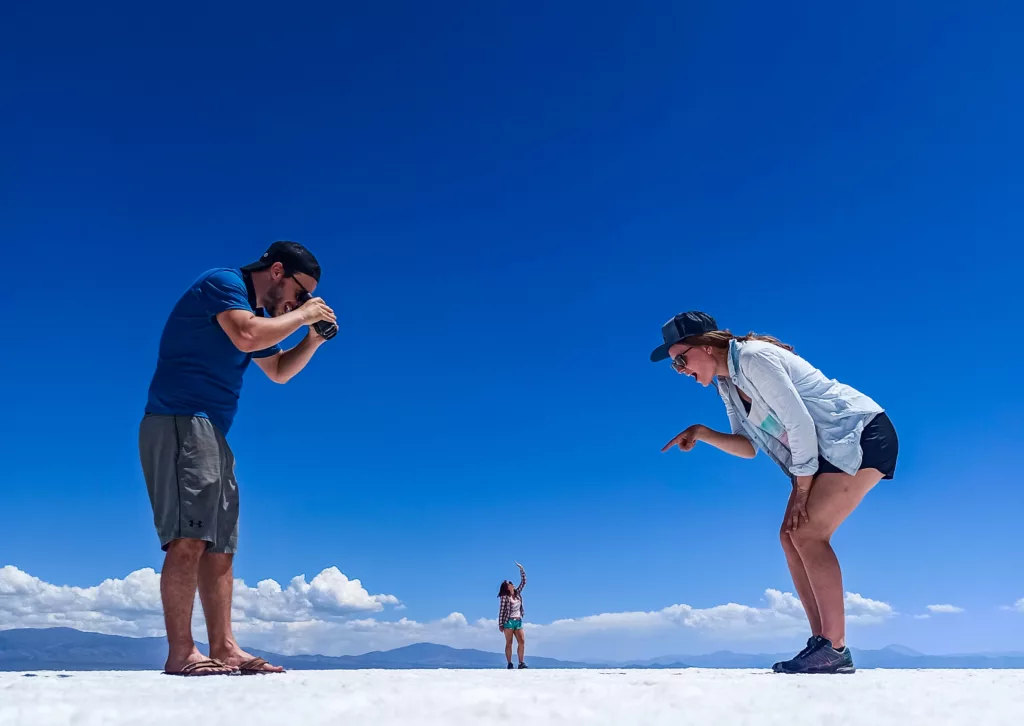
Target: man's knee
[[217, 560], [186, 549]]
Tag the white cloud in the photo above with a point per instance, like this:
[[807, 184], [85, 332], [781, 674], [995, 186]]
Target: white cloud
[[132, 606], [332, 615], [945, 609], [782, 614], [1018, 606], [864, 611], [129, 607], [328, 594]]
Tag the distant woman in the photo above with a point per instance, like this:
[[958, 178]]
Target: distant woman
[[510, 616], [833, 442]]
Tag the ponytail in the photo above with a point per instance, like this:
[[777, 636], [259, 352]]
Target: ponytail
[[721, 338]]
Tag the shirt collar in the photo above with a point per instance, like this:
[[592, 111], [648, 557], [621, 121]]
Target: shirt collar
[[734, 358], [249, 288]]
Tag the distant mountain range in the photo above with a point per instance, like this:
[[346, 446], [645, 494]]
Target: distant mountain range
[[73, 650], [59, 649]]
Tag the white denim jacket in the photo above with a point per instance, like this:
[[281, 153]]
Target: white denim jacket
[[793, 404]]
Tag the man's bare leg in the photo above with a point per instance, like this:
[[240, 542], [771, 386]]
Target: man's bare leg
[[216, 580], [178, 593]]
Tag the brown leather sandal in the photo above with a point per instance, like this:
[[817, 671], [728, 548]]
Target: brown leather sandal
[[208, 667], [254, 666]]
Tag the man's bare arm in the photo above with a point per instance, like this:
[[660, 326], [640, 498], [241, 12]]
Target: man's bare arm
[[251, 333], [282, 367]]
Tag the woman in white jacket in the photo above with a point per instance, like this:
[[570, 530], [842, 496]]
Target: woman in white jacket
[[833, 442]]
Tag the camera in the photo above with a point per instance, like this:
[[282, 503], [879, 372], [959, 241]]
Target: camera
[[324, 329]]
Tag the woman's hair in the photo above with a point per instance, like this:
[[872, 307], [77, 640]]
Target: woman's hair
[[502, 587], [721, 338]]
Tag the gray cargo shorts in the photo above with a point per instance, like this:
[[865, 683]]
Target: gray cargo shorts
[[190, 475]]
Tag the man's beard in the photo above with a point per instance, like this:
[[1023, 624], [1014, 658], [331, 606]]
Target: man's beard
[[272, 299]]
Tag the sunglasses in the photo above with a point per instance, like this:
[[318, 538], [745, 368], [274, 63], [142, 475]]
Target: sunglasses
[[679, 362], [303, 292]]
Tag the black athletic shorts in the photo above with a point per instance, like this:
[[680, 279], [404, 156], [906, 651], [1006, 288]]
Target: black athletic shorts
[[880, 445]]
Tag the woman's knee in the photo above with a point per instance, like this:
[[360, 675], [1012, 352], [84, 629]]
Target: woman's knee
[[787, 541], [808, 535]]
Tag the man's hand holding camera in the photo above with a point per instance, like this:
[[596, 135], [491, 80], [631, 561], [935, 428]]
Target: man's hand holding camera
[[313, 311], [319, 317]]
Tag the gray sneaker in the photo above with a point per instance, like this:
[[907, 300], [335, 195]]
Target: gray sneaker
[[822, 658]]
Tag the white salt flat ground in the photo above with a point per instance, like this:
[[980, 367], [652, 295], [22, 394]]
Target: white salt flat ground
[[527, 698]]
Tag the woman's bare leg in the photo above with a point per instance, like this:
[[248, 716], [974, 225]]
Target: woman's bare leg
[[521, 638], [800, 581], [508, 644], [833, 497]]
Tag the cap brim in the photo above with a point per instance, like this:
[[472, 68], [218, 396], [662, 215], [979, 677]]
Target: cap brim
[[661, 352], [257, 265]]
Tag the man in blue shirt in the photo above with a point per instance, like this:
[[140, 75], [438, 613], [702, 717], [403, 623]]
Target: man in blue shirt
[[225, 319]]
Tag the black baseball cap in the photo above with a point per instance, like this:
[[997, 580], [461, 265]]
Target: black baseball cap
[[683, 325], [292, 255]]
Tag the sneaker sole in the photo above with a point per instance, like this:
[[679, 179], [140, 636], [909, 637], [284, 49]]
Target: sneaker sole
[[844, 671]]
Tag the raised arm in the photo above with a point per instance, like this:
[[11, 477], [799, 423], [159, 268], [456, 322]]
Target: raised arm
[[522, 578]]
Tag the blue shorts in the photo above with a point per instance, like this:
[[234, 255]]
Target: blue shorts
[[516, 624]]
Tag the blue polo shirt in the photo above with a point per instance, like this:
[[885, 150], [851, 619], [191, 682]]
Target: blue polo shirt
[[199, 370]]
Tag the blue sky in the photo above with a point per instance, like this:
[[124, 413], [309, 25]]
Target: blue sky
[[507, 203]]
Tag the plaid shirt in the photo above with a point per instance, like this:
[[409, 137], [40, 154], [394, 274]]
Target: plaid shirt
[[505, 609]]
